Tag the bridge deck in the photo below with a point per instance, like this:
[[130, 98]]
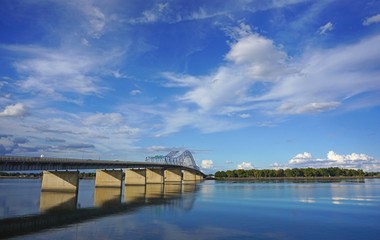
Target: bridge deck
[[16, 163]]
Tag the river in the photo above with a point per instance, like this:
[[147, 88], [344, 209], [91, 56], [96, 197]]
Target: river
[[339, 209]]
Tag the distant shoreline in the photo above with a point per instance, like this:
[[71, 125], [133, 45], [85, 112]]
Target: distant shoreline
[[293, 178], [19, 177], [32, 177]]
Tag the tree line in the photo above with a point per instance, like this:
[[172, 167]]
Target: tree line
[[39, 174], [294, 172]]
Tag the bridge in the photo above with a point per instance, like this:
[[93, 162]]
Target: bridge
[[172, 168]]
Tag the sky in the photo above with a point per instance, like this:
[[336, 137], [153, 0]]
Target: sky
[[242, 84]]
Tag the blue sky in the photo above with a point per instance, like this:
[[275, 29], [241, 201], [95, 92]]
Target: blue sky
[[241, 84]]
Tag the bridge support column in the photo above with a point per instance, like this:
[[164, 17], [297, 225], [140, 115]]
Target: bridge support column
[[108, 178], [173, 175], [60, 181], [198, 177], [135, 176], [154, 176], [188, 176]]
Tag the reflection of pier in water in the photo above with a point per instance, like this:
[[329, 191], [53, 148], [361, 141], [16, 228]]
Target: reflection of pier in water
[[58, 209]]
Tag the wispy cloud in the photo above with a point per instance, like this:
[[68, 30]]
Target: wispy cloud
[[51, 72], [372, 20], [322, 82], [316, 82], [107, 133], [160, 12], [328, 27], [168, 11]]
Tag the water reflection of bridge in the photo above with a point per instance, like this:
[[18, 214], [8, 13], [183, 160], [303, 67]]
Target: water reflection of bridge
[[58, 209]]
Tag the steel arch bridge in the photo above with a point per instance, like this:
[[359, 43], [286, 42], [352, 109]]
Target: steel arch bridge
[[185, 159]]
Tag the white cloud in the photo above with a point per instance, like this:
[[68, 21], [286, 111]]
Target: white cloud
[[314, 83], [252, 58], [245, 165], [257, 51], [292, 108], [276, 166], [14, 110], [331, 155], [353, 161], [207, 164], [175, 120], [135, 92], [322, 82], [85, 42], [97, 21], [328, 27], [58, 72], [371, 20], [104, 133], [159, 12], [301, 158], [245, 115]]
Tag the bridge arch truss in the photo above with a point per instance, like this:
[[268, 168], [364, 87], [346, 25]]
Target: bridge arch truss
[[185, 159]]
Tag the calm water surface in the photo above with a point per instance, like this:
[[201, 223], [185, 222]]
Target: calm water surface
[[346, 209]]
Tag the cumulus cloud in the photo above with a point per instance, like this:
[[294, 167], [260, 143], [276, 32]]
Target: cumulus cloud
[[207, 164], [301, 158], [371, 20], [14, 110], [245, 166], [331, 155], [326, 28], [332, 159]]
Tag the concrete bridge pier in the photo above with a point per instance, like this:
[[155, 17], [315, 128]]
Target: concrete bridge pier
[[198, 177], [66, 181], [154, 176], [188, 176], [173, 176], [135, 176], [108, 178]]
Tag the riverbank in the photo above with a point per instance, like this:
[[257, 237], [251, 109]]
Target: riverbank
[[20, 177], [294, 178]]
